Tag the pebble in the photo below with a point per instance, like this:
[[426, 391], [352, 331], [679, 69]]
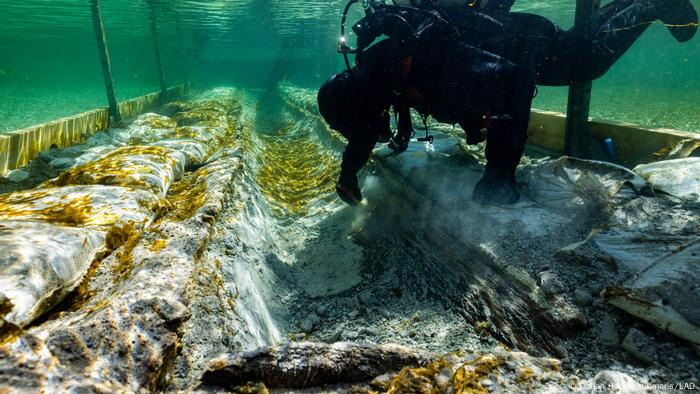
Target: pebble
[[350, 335], [322, 310], [608, 332], [582, 297], [336, 335], [310, 323], [550, 284], [365, 298], [383, 312], [353, 314], [369, 332], [640, 345]]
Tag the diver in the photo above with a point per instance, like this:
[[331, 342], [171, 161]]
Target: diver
[[541, 52], [438, 76]]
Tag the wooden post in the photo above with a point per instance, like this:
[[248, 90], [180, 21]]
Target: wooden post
[[104, 60], [181, 49], [156, 46], [578, 137]]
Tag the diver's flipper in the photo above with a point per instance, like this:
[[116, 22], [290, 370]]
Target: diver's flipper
[[680, 18], [495, 190]]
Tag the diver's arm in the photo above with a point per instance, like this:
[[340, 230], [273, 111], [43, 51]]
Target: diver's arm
[[356, 154], [405, 130]]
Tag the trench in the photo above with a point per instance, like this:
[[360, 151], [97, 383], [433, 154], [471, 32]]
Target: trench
[[290, 262]]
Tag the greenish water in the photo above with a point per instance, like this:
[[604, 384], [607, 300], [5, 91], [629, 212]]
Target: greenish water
[[50, 66]]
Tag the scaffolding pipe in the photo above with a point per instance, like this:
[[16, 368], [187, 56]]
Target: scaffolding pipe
[[577, 135], [156, 46], [104, 60]]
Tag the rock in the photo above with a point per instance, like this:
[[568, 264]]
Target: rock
[[608, 331], [353, 314], [383, 312], [369, 332], [62, 163], [336, 335], [640, 345], [18, 176], [615, 382], [322, 310], [583, 298], [550, 284], [310, 323], [40, 169], [365, 298], [566, 318], [350, 335]]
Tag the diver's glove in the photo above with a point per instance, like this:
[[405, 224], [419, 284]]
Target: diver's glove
[[399, 143], [348, 189]]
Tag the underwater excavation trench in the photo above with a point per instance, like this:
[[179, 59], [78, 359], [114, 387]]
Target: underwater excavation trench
[[248, 268], [290, 262]]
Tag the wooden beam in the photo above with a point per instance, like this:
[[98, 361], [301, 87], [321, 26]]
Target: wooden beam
[[578, 138], [104, 60]]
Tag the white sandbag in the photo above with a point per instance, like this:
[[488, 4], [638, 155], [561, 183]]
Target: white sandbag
[[568, 183], [195, 151], [679, 178], [666, 294], [81, 206], [40, 263], [150, 168]]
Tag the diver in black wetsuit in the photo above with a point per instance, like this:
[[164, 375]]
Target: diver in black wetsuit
[[433, 75], [455, 89]]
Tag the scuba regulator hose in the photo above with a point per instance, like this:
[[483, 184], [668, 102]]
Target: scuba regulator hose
[[343, 46]]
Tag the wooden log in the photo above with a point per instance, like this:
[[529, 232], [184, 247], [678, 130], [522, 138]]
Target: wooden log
[[311, 364]]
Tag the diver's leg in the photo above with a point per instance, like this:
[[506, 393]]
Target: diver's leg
[[355, 156], [617, 34], [505, 144], [567, 58], [679, 16]]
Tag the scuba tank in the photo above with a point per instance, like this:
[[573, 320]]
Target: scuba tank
[[391, 20]]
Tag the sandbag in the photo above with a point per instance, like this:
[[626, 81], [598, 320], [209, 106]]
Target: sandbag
[[666, 294], [42, 262], [679, 178], [150, 168], [80, 206], [195, 151], [568, 184]]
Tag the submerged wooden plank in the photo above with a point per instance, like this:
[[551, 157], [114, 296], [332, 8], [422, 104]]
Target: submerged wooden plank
[[19, 147], [634, 144]]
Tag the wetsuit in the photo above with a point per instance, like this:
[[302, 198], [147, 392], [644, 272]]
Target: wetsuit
[[556, 56], [446, 79]]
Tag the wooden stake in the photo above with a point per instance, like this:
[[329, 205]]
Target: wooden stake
[[578, 137], [156, 46], [104, 60]]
